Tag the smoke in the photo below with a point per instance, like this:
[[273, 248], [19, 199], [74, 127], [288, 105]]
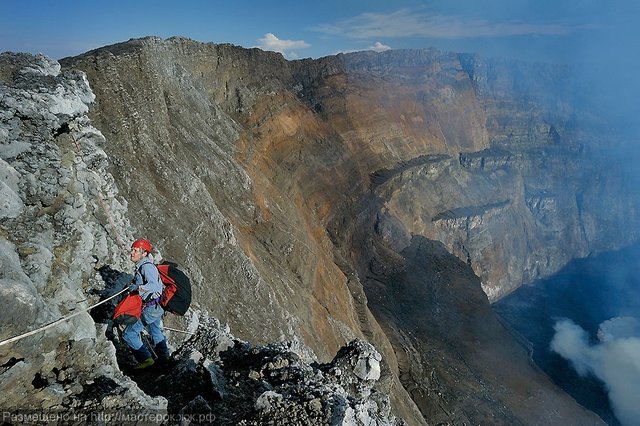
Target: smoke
[[614, 359]]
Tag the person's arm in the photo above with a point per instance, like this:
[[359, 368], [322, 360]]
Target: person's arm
[[138, 280]]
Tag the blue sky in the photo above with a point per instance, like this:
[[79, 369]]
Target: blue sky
[[539, 30], [599, 38]]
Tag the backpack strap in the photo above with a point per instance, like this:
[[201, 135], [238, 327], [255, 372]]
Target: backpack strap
[[139, 272]]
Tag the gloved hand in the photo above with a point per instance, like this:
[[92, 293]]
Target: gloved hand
[[133, 287]]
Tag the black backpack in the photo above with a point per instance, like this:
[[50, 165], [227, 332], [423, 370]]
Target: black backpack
[[176, 296]]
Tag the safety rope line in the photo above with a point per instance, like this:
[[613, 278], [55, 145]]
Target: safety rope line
[[179, 331], [51, 324]]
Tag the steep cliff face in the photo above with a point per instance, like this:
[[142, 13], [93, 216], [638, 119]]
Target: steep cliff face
[[493, 158], [185, 164], [515, 215], [59, 211], [304, 198]]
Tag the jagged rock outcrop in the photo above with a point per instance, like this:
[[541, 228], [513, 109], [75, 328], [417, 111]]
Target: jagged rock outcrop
[[276, 383]]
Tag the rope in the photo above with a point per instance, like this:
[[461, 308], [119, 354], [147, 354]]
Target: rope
[[179, 331], [51, 324]]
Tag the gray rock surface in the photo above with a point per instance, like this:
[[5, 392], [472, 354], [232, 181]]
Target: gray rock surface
[[219, 379], [59, 212]]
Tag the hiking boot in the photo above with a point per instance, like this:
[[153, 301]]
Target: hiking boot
[[162, 351], [143, 356], [144, 364]]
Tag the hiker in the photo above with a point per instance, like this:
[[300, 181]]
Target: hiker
[[147, 282]]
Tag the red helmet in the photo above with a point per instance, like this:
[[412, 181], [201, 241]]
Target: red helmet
[[143, 244]]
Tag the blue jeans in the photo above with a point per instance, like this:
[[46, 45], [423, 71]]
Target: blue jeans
[[152, 317]]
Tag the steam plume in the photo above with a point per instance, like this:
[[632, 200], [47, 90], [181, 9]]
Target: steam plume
[[615, 360]]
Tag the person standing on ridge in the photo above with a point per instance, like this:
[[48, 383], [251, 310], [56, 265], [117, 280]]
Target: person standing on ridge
[[147, 282]]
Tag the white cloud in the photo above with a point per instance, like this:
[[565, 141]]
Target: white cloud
[[409, 23], [615, 360], [379, 47], [286, 47]]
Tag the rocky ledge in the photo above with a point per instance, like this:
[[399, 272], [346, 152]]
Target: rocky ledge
[[219, 379]]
